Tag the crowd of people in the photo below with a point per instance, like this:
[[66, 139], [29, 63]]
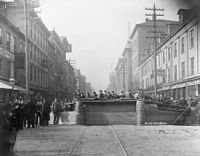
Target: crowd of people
[[104, 95], [138, 95], [15, 114]]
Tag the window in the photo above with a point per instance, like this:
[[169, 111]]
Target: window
[[15, 44], [31, 73], [8, 39], [34, 53], [8, 69], [31, 51], [1, 35], [21, 47], [169, 75], [38, 37], [183, 69], [183, 45], [34, 32], [169, 55], [31, 30], [175, 50], [175, 72], [192, 38], [1, 66], [34, 74], [163, 57], [38, 75], [37, 55], [41, 77], [192, 65]]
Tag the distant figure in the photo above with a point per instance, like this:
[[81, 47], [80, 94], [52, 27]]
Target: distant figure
[[38, 113], [109, 96], [31, 110], [95, 95], [105, 94], [45, 113], [82, 96], [88, 95], [122, 95], [138, 95], [113, 95], [130, 95], [56, 111], [101, 95]]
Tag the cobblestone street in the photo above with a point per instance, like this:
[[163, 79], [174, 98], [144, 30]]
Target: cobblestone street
[[109, 140]]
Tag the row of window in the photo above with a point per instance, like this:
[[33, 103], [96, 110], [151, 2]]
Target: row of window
[[5, 68], [175, 48], [37, 36], [36, 54], [38, 76], [183, 69], [10, 41]]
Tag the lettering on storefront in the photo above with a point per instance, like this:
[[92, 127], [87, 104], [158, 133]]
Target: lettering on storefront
[[193, 83], [6, 54]]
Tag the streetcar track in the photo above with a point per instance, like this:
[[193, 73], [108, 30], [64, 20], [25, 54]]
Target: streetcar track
[[118, 141], [81, 136]]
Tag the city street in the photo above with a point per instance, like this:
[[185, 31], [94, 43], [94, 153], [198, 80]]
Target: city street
[[109, 140]]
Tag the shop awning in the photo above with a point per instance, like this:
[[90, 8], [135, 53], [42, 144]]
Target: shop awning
[[6, 85], [19, 88], [178, 86]]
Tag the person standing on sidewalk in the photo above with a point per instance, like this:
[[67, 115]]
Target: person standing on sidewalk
[[56, 111], [45, 113], [31, 110]]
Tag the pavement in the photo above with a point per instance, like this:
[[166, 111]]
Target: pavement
[[111, 140]]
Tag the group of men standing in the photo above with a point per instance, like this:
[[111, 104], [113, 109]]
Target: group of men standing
[[32, 113]]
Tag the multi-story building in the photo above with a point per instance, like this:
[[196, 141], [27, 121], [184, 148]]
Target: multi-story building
[[127, 55], [178, 60], [81, 84], [121, 73], [60, 64], [49, 73], [11, 48], [38, 47], [112, 86], [142, 46]]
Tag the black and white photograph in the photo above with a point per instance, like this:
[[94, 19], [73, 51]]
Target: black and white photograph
[[99, 77]]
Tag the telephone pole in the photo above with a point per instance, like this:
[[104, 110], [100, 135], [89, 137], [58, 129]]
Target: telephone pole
[[26, 48], [155, 36]]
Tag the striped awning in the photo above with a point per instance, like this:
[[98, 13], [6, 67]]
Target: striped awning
[[4, 85], [7, 85]]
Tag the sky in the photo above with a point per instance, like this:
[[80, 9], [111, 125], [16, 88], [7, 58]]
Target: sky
[[99, 30]]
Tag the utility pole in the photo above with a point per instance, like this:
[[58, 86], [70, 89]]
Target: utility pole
[[26, 48], [155, 37]]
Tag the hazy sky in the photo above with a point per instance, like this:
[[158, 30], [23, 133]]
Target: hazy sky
[[98, 30]]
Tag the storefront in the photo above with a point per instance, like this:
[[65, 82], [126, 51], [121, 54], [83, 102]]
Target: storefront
[[5, 90]]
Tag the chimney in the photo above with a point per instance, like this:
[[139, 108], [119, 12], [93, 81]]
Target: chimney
[[185, 14]]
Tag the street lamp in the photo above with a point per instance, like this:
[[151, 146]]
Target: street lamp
[[12, 82]]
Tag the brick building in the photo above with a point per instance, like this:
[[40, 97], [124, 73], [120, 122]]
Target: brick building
[[11, 46]]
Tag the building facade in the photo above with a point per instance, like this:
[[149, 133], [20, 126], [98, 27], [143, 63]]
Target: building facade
[[11, 46], [177, 61]]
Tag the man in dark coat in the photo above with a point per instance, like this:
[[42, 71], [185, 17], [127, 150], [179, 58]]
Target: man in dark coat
[[31, 113], [45, 113]]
